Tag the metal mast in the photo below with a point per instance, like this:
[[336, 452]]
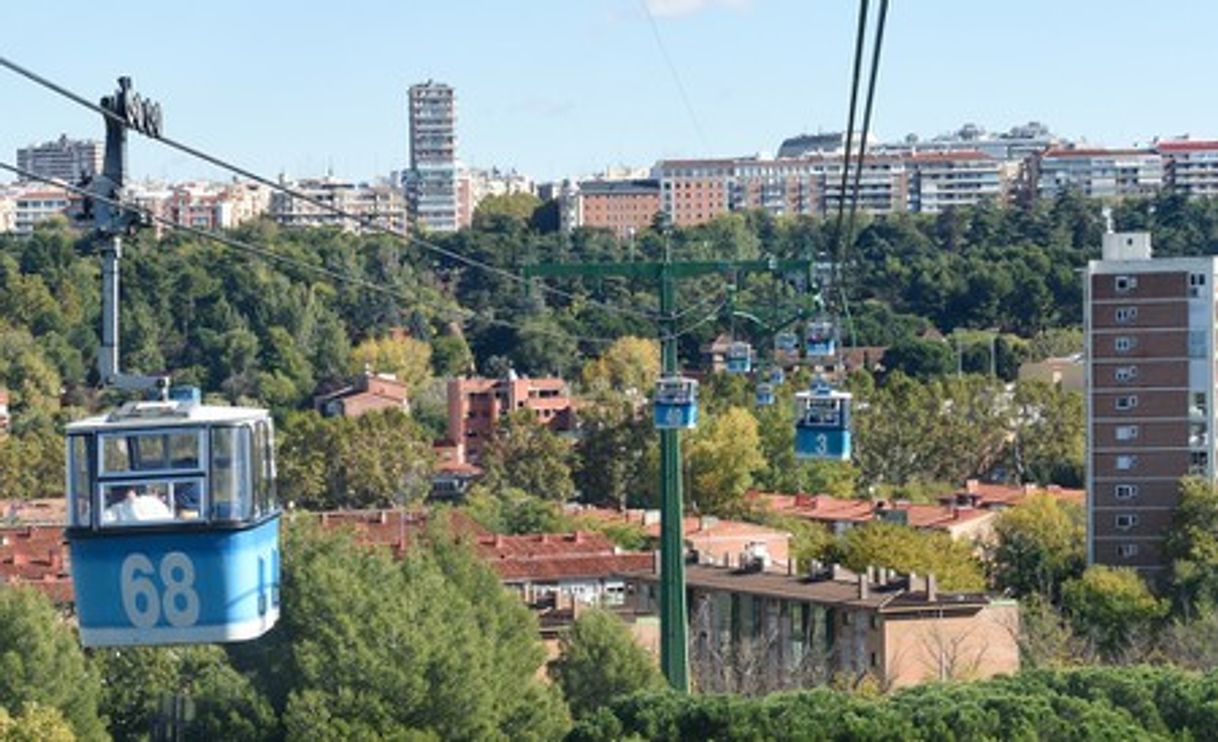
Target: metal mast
[[666, 274]]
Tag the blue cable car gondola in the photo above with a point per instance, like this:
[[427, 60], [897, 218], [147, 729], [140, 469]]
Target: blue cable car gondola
[[777, 376], [786, 348], [822, 423], [173, 525], [676, 404], [821, 339], [739, 358], [765, 394]]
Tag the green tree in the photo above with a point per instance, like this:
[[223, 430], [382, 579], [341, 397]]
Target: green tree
[[905, 549], [921, 359], [529, 456], [515, 206], [598, 661], [612, 453], [138, 681], [41, 663], [1192, 547], [428, 647], [405, 357], [1111, 607], [378, 459], [1040, 546], [1049, 437], [451, 356], [630, 363], [36, 723], [723, 455]]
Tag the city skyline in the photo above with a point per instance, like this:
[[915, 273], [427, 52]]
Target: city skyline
[[554, 90]]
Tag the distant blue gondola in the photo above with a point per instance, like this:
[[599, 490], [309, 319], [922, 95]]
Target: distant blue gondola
[[765, 394], [676, 403], [777, 376], [739, 358], [173, 524], [786, 348], [820, 339], [822, 423]]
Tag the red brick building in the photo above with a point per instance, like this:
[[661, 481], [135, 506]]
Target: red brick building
[[476, 405], [366, 393], [624, 206]]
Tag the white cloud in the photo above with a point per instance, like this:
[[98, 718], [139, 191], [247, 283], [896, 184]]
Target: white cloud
[[677, 8]]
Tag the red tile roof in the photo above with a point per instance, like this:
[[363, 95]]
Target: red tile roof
[[585, 566], [1187, 145], [1094, 152], [959, 154]]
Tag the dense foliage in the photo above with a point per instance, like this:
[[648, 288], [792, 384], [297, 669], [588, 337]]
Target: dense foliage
[[1080, 704]]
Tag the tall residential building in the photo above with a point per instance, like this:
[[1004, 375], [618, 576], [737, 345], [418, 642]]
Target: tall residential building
[[431, 183], [1150, 332], [1099, 173], [70, 160], [1190, 167], [475, 406]]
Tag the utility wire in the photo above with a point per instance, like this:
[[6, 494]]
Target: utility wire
[[859, 40], [271, 255], [873, 75], [326, 207], [676, 78]]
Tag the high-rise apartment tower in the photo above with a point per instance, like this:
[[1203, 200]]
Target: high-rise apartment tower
[[1150, 332], [71, 160], [431, 183]]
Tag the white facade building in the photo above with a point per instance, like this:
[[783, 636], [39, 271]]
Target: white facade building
[[431, 183]]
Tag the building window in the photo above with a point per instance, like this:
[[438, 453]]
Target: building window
[[1127, 402], [874, 660], [1126, 462], [1127, 433], [1125, 315], [1126, 521], [1125, 374], [1127, 551], [1124, 343], [1125, 491], [1196, 343], [1198, 462], [1196, 285]]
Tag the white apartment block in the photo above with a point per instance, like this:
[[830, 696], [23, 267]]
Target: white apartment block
[[70, 160], [1099, 173], [29, 205], [940, 180], [694, 191], [1190, 167], [431, 182], [382, 205]]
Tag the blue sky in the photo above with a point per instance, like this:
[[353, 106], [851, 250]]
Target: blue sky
[[558, 87]]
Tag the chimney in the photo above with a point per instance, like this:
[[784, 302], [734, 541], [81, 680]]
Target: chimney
[[932, 589], [655, 562], [864, 586]]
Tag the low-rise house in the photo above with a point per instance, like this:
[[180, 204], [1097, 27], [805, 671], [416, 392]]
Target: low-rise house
[[968, 513], [1066, 371], [555, 570], [708, 539], [366, 393], [752, 630]]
